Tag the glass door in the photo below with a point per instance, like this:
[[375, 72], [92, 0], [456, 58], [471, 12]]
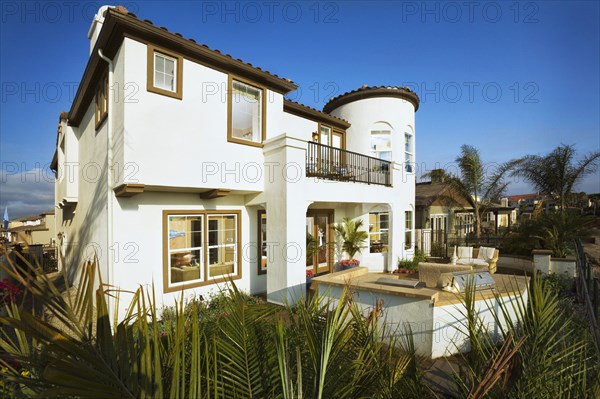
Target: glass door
[[319, 240]]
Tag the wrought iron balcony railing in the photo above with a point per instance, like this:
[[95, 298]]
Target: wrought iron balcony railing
[[332, 163]]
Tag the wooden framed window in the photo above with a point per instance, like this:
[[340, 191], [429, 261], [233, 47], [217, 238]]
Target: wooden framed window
[[246, 112], [408, 230], [335, 138], [101, 101], [200, 248], [379, 229], [262, 241], [165, 73]]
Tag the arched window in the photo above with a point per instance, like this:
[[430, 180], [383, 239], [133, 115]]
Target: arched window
[[381, 141]]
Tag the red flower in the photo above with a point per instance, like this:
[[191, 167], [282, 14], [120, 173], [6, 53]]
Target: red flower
[[8, 292], [349, 262], [310, 272]]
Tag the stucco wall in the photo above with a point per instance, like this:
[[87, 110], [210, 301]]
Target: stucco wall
[[138, 235], [399, 312], [450, 335], [184, 143]]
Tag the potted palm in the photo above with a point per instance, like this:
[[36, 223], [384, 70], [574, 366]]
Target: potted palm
[[352, 240]]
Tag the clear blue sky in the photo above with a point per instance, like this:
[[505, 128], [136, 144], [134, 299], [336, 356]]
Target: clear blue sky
[[509, 78]]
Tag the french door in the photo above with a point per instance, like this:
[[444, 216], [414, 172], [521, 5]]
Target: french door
[[319, 240]]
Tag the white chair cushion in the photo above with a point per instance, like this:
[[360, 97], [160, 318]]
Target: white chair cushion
[[465, 261], [486, 253], [465, 252], [479, 262]]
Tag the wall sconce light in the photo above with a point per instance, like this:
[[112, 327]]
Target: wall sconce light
[[315, 136]]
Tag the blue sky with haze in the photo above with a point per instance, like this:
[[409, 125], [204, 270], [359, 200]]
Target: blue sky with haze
[[510, 78]]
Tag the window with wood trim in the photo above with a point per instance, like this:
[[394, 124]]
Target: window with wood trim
[[262, 241], [379, 229], [246, 113], [200, 248], [165, 72], [332, 137], [408, 229], [101, 101]]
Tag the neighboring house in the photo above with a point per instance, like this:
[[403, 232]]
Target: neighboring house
[[499, 216], [529, 205], [36, 229], [440, 211], [215, 176], [443, 215]]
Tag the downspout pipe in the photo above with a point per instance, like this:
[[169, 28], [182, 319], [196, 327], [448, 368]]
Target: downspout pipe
[[109, 177]]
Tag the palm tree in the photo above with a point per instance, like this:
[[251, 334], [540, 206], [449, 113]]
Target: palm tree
[[351, 235], [557, 173], [476, 184]]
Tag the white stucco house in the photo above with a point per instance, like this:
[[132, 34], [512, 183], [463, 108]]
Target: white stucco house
[[183, 167]]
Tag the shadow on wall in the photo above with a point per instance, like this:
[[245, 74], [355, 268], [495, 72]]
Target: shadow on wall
[[80, 246]]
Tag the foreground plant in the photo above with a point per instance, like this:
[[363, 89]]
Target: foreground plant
[[230, 347], [545, 351]]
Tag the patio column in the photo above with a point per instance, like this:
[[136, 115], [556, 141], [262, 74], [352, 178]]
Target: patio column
[[496, 222], [286, 218]]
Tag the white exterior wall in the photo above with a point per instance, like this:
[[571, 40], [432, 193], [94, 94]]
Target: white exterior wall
[[301, 128], [138, 235], [450, 335], [399, 313], [183, 143], [84, 226], [67, 165], [399, 114], [437, 330]]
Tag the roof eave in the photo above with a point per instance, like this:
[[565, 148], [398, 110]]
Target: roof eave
[[118, 25], [304, 111]]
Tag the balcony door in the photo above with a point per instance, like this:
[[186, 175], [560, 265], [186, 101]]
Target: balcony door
[[331, 159], [319, 240]]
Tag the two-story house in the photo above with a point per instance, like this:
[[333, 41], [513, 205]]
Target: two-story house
[[184, 167], [33, 230]]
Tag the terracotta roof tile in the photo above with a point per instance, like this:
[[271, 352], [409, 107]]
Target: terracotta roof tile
[[215, 50], [309, 110], [372, 91]]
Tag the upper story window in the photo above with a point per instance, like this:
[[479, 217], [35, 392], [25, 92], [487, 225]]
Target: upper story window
[[165, 72], [165, 76], [101, 101], [331, 137], [409, 157], [381, 144], [246, 112]]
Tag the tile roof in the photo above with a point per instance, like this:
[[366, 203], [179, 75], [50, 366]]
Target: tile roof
[[367, 91], [312, 113], [120, 23], [124, 11], [426, 193], [520, 197]]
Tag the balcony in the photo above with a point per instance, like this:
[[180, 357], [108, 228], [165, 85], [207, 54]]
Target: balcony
[[330, 163]]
